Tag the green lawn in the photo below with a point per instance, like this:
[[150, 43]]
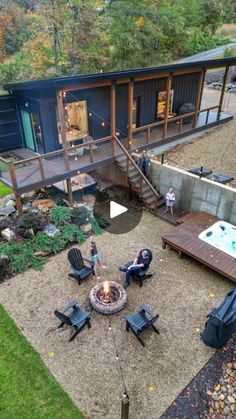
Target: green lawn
[[27, 388], [4, 190]]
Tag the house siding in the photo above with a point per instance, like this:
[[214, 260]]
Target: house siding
[[10, 132], [44, 103]]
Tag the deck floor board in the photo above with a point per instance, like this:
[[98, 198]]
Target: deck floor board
[[184, 238]]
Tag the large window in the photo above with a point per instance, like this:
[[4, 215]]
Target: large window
[[76, 121], [161, 103]]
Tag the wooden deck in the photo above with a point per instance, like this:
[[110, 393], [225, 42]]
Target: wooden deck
[[184, 239], [29, 175]]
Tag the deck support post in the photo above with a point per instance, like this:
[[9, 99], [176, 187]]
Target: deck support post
[[69, 191], [222, 92], [166, 113], [113, 115], [61, 115], [18, 203], [199, 96], [130, 110]]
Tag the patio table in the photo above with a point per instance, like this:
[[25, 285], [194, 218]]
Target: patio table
[[200, 171], [221, 178]]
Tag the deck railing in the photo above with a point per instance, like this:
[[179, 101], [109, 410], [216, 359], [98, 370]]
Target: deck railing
[[178, 119], [143, 179], [65, 153]]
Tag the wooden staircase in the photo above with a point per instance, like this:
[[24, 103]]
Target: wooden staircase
[[139, 183]]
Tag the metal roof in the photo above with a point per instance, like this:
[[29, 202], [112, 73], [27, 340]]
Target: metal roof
[[61, 82]]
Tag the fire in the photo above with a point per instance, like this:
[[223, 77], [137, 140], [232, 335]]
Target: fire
[[106, 287]]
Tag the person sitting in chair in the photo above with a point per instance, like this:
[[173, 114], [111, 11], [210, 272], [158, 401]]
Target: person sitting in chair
[[140, 264]]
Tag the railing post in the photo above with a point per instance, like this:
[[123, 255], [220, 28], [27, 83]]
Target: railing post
[[113, 114], [222, 92], [130, 112], [166, 113], [12, 171], [41, 168], [91, 153], [198, 97]]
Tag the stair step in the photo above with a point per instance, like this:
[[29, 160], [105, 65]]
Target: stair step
[[147, 194], [161, 201], [121, 158]]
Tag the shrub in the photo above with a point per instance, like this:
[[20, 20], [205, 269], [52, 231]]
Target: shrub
[[60, 215], [71, 232], [79, 216], [35, 221], [95, 227], [21, 256]]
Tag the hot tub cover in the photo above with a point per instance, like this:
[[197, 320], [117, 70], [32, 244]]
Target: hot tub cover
[[221, 323]]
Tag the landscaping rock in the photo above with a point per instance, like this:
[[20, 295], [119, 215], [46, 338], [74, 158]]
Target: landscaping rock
[[8, 234], [50, 230], [86, 228], [28, 195], [26, 208], [10, 203], [7, 210], [43, 203]]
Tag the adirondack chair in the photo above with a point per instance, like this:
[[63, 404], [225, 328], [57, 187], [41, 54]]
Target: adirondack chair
[[142, 275], [140, 320], [77, 318], [80, 271]]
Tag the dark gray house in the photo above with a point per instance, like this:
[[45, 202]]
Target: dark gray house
[[53, 128]]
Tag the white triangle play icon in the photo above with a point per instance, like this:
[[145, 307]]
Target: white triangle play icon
[[116, 209]]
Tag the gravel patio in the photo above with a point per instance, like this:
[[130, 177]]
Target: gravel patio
[[181, 290]]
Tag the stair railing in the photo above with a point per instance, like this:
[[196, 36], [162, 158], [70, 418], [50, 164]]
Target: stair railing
[[142, 176]]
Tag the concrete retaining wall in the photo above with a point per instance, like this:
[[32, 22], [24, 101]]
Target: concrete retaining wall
[[194, 194]]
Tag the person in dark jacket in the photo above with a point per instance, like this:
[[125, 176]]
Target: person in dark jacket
[[139, 264], [144, 163]]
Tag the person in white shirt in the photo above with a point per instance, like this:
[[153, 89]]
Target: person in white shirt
[[170, 198]]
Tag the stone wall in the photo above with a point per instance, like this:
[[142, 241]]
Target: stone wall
[[195, 194]]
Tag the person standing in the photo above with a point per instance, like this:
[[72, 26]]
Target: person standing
[[144, 163], [95, 257], [170, 198]]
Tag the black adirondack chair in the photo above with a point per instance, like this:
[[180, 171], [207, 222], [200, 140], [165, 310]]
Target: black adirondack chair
[[140, 320], [76, 318], [80, 271], [142, 275]]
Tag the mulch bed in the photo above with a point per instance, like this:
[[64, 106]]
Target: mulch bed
[[193, 401]]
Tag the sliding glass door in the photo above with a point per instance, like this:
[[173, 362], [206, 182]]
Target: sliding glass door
[[32, 131]]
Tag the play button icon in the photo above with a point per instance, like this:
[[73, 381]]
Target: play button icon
[[117, 209]]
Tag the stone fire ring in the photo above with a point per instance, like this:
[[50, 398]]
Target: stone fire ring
[[108, 308]]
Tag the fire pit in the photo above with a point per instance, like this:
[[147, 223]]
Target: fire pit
[[108, 297]]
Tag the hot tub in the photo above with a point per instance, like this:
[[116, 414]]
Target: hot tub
[[221, 235]]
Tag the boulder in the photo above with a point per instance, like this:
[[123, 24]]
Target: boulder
[[86, 228], [28, 195], [186, 108], [8, 234], [5, 211], [26, 208], [43, 203], [50, 230], [10, 203]]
